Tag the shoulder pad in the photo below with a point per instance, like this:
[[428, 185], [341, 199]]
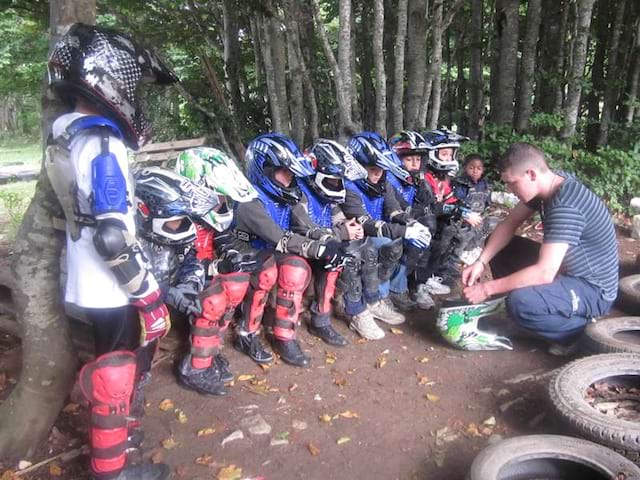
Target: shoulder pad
[[90, 122]]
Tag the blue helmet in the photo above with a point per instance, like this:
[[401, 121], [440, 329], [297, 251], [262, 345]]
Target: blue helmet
[[370, 149], [437, 140], [329, 159], [269, 152]]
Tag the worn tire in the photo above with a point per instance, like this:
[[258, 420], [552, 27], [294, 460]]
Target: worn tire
[[566, 391], [550, 456], [629, 294], [599, 337]]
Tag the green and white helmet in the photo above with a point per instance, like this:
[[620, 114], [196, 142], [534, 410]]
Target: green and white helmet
[[215, 170], [458, 325]]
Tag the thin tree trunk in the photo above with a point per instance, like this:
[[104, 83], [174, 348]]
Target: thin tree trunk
[[416, 58], [476, 78], [398, 71], [365, 53], [572, 104], [254, 23], [344, 51], [378, 66], [232, 57], [611, 88], [594, 98], [528, 65], [269, 71], [295, 89], [279, 59], [507, 26], [48, 357], [356, 113], [344, 104], [630, 101], [462, 118]]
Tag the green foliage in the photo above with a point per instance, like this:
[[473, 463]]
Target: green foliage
[[14, 200]]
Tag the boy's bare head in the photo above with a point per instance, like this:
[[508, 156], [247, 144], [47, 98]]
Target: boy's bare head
[[521, 157]]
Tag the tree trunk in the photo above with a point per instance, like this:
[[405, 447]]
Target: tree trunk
[[507, 17], [462, 118], [612, 82], [279, 59], [551, 53], [378, 66], [528, 65], [296, 89], [365, 53], [269, 72], [476, 79], [48, 358], [594, 98], [579, 56], [255, 25], [398, 71], [232, 57], [344, 52], [346, 128], [356, 113], [416, 58], [630, 101]]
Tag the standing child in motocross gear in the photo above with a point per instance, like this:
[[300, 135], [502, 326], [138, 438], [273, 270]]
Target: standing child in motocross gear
[[274, 164], [97, 73], [441, 165], [474, 193], [236, 278], [317, 217], [168, 205], [373, 202], [411, 148]]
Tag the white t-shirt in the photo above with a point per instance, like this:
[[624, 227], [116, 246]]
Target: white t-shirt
[[90, 283]]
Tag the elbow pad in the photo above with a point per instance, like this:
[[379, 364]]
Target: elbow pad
[[124, 257], [108, 183]]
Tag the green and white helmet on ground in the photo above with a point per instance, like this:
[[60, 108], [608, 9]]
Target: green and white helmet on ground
[[217, 171], [458, 325]]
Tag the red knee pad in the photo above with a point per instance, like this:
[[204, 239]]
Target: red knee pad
[[205, 331], [108, 384], [213, 300], [294, 275], [324, 297], [235, 285], [267, 275]]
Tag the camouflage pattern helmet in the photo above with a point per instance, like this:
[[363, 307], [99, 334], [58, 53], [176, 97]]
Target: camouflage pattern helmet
[[217, 171], [458, 324]]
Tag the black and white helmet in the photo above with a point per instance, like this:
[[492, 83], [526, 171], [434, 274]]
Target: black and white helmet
[[436, 140], [163, 196], [106, 68]]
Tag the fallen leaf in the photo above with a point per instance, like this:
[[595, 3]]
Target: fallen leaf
[[325, 418], [182, 417], [472, 429], [229, 473], [361, 340], [330, 358], [340, 382], [265, 366], [432, 397], [422, 359], [203, 432], [283, 435], [169, 443], [166, 405], [313, 450], [22, 464], [8, 475], [293, 387], [71, 408], [343, 440], [491, 422], [382, 361], [396, 331], [206, 460], [182, 471], [158, 456], [245, 378], [422, 379], [55, 470], [349, 414]]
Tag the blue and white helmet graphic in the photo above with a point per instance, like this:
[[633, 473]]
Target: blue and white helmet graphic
[[370, 149]]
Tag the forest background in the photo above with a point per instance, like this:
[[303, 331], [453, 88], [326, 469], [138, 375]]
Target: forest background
[[563, 74]]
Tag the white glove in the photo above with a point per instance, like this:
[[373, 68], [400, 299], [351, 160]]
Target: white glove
[[418, 235]]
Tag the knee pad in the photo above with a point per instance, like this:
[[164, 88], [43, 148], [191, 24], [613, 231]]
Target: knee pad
[[235, 286], [108, 384], [294, 274], [213, 300], [205, 330], [350, 283], [264, 278], [326, 291], [388, 256]]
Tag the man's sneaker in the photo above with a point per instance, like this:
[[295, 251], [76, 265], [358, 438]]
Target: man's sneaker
[[423, 299], [203, 380], [250, 345], [434, 286], [563, 350], [290, 352], [402, 301], [365, 325], [383, 310], [147, 471], [222, 364]]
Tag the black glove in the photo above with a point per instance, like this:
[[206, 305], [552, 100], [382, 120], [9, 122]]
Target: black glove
[[184, 298], [333, 254], [234, 261]]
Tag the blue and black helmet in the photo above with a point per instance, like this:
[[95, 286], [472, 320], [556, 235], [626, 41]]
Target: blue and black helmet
[[269, 152]]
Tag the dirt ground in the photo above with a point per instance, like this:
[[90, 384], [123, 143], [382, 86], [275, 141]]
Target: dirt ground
[[407, 406]]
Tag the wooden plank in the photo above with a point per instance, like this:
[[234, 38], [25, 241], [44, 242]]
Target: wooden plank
[[173, 145]]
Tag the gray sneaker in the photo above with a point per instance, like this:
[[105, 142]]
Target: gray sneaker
[[384, 311], [365, 325], [402, 301], [423, 299]]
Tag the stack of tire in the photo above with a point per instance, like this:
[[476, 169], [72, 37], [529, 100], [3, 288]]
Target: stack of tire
[[611, 446]]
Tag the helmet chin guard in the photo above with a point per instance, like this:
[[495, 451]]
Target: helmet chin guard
[[457, 322]]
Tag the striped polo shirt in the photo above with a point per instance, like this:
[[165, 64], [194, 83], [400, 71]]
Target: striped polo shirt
[[578, 217]]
